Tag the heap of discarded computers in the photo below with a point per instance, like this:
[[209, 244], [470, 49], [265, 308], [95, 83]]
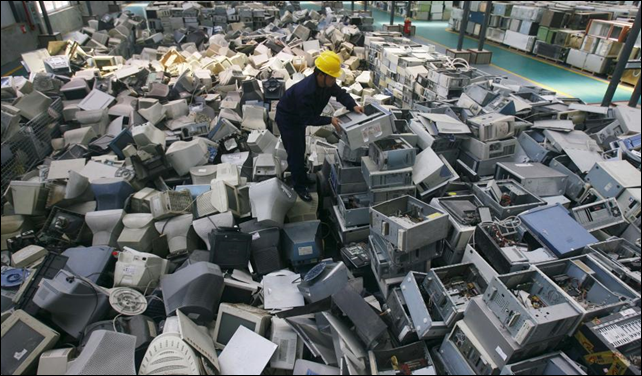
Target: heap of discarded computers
[[482, 226]]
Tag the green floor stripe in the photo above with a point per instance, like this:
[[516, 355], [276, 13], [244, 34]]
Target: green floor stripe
[[562, 80]]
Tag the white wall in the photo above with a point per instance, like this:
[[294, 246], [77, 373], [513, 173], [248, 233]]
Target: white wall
[[66, 20], [7, 16]]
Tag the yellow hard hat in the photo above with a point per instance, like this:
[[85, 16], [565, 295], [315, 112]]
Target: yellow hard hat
[[329, 63]]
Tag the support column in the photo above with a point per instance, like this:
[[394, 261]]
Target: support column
[[635, 97], [45, 16], [463, 26], [623, 61], [482, 35]]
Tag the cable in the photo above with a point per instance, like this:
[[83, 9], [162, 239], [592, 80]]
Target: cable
[[114, 322], [90, 284]]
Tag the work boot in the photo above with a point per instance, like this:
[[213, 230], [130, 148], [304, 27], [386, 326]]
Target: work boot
[[304, 194]]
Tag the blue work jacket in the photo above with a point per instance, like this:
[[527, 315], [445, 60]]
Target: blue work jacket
[[303, 103]]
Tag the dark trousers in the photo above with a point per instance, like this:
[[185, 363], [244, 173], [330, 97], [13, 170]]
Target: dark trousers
[[294, 142]]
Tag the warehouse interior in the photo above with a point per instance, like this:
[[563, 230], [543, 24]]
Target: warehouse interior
[[321, 188]]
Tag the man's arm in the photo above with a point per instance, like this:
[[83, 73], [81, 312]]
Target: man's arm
[[343, 97]]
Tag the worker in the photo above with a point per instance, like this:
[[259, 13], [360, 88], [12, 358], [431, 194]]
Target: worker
[[302, 105]]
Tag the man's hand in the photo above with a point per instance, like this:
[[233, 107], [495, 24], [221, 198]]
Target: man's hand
[[336, 123], [358, 109]]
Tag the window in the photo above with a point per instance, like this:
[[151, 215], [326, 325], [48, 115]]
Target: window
[[52, 6]]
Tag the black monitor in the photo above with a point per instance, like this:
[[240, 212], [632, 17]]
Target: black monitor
[[63, 226], [266, 257], [230, 248]]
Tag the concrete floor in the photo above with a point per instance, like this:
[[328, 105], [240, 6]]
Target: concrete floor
[[14, 68], [526, 68]]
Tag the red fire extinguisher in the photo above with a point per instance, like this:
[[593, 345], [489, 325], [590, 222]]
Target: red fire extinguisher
[[407, 27]]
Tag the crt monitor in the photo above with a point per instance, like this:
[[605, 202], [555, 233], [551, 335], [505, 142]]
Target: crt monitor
[[185, 155], [230, 248], [271, 200], [120, 142], [194, 190], [148, 134], [203, 174], [180, 234], [142, 327], [93, 263], [138, 270], [302, 242], [25, 336], [185, 289], [266, 257], [73, 302], [225, 197], [206, 225], [138, 233], [28, 197], [63, 225], [111, 193], [232, 316], [106, 226], [106, 353]]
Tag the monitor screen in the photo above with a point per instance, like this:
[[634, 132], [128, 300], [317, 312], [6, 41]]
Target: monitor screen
[[228, 326], [17, 345], [231, 197]]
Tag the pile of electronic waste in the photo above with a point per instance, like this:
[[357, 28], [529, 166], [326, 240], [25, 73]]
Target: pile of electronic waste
[[462, 224]]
